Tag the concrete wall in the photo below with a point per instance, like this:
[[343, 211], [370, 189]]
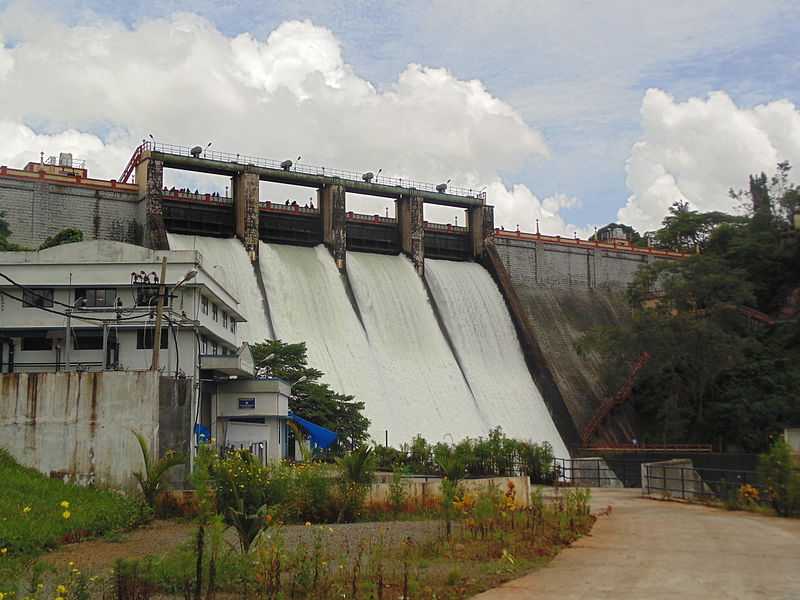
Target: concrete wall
[[674, 478], [78, 425], [420, 490], [593, 472], [38, 209], [565, 292]]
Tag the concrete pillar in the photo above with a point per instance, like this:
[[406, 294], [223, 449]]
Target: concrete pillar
[[150, 179], [334, 221], [411, 223], [245, 206], [481, 227]]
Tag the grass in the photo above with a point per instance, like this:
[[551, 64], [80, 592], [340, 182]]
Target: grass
[[38, 513]]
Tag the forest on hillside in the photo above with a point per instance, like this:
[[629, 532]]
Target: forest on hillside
[[720, 373]]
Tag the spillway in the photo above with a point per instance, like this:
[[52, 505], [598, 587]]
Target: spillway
[[308, 303], [444, 363], [231, 266], [425, 384], [486, 345]]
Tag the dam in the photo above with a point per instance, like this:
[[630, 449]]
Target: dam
[[440, 330]]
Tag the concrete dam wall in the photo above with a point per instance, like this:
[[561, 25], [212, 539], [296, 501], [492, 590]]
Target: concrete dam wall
[[441, 360], [565, 291]]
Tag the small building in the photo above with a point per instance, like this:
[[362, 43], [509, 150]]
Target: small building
[[91, 307], [792, 437]]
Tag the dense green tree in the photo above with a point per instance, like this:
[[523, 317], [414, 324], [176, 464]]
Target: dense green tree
[[715, 375], [311, 399], [65, 236], [5, 233]]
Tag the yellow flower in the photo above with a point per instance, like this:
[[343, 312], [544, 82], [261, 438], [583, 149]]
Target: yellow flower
[[59, 598], [64, 504], [2, 595], [308, 523], [26, 510], [66, 514], [3, 552], [61, 589]]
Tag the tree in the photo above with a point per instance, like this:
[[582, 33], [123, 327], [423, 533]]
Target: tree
[[65, 236], [5, 233], [311, 399], [713, 376]]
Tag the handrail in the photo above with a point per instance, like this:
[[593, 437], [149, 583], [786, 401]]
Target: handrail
[[567, 241], [135, 159], [244, 159]]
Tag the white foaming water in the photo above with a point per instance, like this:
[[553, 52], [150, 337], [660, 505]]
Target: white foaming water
[[308, 303], [226, 259], [486, 344], [427, 390]]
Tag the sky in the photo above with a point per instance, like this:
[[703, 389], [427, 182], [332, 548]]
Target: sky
[[572, 113]]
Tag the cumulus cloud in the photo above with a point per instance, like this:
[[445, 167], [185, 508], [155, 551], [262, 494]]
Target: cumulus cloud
[[97, 89], [697, 150]]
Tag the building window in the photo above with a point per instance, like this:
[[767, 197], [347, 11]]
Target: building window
[[225, 319], [204, 305], [203, 344], [36, 343], [37, 298], [214, 348], [233, 325], [97, 297], [92, 340], [144, 339], [214, 312], [146, 295], [224, 351]]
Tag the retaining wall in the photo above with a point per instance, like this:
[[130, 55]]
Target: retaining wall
[[420, 490], [78, 426], [38, 208]]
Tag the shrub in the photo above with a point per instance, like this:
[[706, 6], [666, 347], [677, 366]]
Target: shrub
[[151, 479], [356, 471], [779, 474]]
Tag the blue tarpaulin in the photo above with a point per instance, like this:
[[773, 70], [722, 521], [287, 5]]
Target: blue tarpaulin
[[320, 437]]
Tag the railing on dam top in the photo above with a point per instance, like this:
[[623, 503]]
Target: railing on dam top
[[289, 208], [182, 195], [576, 242], [257, 161]]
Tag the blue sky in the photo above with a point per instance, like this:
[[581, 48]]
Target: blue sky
[[576, 72]]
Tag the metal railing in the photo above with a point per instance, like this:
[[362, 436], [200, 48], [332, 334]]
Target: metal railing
[[687, 482], [445, 227], [306, 169], [289, 208], [351, 216], [595, 472], [183, 196]]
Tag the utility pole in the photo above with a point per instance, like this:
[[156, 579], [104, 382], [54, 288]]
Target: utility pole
[[68, 340], [159, 312]]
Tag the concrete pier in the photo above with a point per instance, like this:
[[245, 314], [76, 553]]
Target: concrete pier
[[334, 221], [245, 202], [411, 223], [480, 220], [150, 179]]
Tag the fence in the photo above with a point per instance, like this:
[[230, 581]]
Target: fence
[[679, 478], [594, 472]]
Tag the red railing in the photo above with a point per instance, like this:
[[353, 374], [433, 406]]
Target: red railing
[[575, 242], [136, 158]]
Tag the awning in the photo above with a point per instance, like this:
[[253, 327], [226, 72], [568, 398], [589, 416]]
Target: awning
[[320, 437]]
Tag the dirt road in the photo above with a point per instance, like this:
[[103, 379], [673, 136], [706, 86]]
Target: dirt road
[[650, 549]]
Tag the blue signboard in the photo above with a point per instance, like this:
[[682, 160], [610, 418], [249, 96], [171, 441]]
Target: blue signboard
[[247, 403]]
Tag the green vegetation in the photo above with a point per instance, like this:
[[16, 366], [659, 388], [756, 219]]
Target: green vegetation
[[496, 454], [494, 539], [65, 236], [779, 473], [716, 375], [311, 399], [38, 513], [151, 479], [5, 233]]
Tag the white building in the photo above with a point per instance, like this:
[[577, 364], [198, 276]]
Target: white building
[[83, 306]]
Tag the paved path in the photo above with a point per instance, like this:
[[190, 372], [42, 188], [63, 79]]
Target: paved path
[[650, 549]]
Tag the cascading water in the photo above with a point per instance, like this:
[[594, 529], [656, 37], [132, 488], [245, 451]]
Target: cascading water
[[381, 342], [426, 387], [231, 266], [485, 342]]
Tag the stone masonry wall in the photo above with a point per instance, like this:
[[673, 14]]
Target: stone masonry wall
[[36, 210], [565, 292]]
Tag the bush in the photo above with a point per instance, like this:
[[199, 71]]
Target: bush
[[780, 475], [356, 471]]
